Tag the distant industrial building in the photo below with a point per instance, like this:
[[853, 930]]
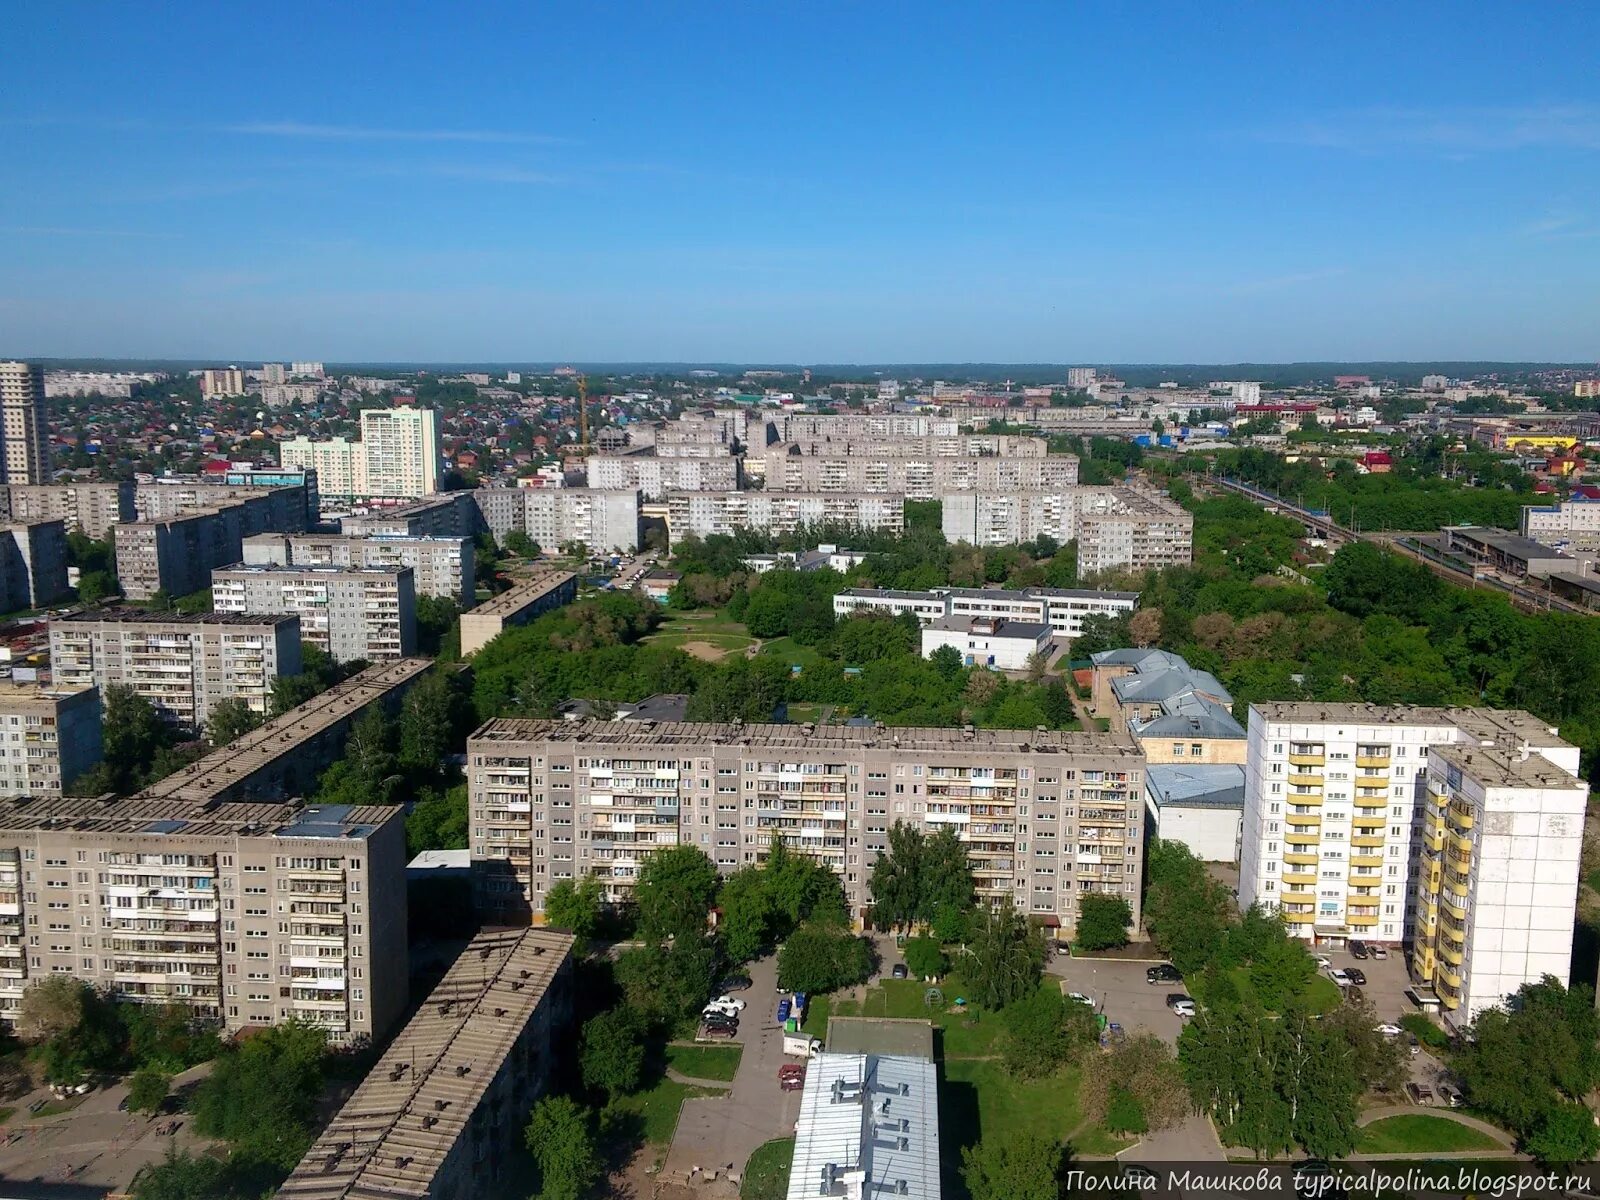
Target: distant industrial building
[[436, 1112], [183, 663], [517, 606], [351, 613], [52, 735]]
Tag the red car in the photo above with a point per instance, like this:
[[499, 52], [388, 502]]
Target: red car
[[792, 1077]]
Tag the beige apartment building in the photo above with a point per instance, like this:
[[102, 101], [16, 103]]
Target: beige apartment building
[[87, 508], [49, 736], [349, 612], [440, 566], [516, 606], [278, 506], [435, 1114], [655, 477], [285, 757], [177, 553], [790, 468], [1116, 528], [183, 663], [24, 433], [1046, 816], [251, 914]]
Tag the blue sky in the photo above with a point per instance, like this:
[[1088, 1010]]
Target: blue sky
[[802, 183]]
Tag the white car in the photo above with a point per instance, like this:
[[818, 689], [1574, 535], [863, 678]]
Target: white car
[[1378, 952], [1080, 998], [1323, 962], [732, 1002], [1390, 1031], [1183, 1008], [1341, 978], [725, 1010]]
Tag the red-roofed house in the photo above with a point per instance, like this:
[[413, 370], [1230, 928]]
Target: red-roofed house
[[1377, 462]]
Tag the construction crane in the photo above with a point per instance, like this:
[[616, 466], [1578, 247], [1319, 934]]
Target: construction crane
[[583, 413]]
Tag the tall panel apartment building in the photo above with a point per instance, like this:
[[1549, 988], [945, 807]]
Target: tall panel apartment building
[[177, 553], [655, 477], [340, 464], [222, 381], [33, 565], [49, 735], [1346, 821], [914, 477], [24, 433], [700, 514], [87, 508], [1115, 527], [250, 914], [1046, 816], [183, 663], [348, 612], [602, 520], [441, 566], [401, 448]]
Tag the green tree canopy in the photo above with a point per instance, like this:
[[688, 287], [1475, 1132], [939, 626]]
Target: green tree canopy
[[674, 892], [1013, 1166], [562, 1142]]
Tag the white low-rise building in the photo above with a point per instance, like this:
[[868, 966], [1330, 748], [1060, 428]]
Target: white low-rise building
[[868, 1128], [1200, 805], [1064, 610], [988, 641]]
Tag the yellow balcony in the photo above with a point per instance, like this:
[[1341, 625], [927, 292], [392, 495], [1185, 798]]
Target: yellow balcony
[[1306, 797], [1376, 799], [1454, 906], [1313, 819], [1457, 887], [1372, 760], [1433, 841], [1368, 821], [1300, 878], [1359, 919], [1306, 760], [1297, 897], [1366, 860], [1461, 844], [1308, 837], [1367, 841], [1461, 817], [1300, 859], [1449, 977], [1453, 933], [1306, 778]]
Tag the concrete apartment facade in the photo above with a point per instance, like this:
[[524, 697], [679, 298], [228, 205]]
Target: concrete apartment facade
[[452, 514], [440, 566], [914, 477], [250, 914], [1116, 528], [183, 663], [87, 508], [49, 736], [655, 477], [284, 758], [1064, 610], [33, 565], [701, 514], [1497, 880], [516, 606], [177, 554], [1046, 816], [24, 433], [350, 612], [1337, 831], [397, 456], [340, 464], [435, 1114], [602, 520], [1571, 525], [279, 498]]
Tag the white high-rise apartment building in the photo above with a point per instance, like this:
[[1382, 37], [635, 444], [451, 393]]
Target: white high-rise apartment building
[[24, 435], [273, 373], [401, 446], [340, 465], [313, 369], [1356, 815]]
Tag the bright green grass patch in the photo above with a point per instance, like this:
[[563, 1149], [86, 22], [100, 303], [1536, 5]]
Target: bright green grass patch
[[791, 651], [704, 1062], [1421, 1134], [658, 1107], [1320, 994], [766, 1176], [818, 1009], [968, 1034]]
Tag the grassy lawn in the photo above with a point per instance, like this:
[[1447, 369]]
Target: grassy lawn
[[657, 1108], [704, 1062], [1320, 995], [817, 1011], [766, 1176], [1421, 1134], [969, 1034], [790, 651]]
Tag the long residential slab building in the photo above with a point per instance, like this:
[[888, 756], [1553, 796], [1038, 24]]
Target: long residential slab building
[[700, 514], [1458, 830], [1064, 610], [349, 613], [1115, 527], [602, 520], [441, 566], [249, 914], [1046, 816], [916, 477], [655, 477], [183, 663]]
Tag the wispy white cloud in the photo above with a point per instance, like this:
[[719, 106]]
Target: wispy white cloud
[[485, 173], [1452, 130], [72, 231], [363, 133], [1560, 226]]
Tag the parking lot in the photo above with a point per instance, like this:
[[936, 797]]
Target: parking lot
[[1119, 991]]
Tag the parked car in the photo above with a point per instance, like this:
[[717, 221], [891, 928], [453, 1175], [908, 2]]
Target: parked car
[[1419, 1093], [1323, 962], [1163, 973], [1451, 1095], [1182, 1007], [898, 971], [792, 1076], [1342, 978], [1413, 1045], [709, 1032], [1080, 998], [1357, 976], [1390, 1031], [720, 1020], [783, 1010], [1354, 995], [1358, 949], [732, 1002], [1378, 952], [719, 1010], [734, 983]]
